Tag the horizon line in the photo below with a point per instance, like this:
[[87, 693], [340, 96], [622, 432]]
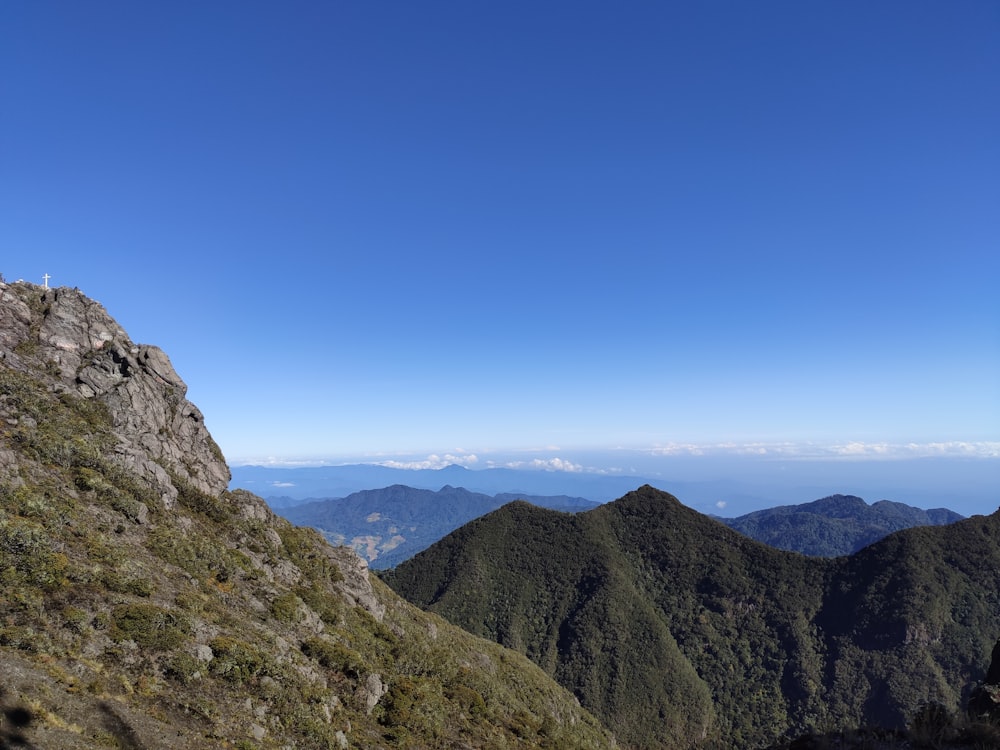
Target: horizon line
[[762, 450]]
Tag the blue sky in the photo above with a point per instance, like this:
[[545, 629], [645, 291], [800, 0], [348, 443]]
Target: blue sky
[[388, 229]]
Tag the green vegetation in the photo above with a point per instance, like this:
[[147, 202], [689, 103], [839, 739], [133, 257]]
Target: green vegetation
[[932, 727], [679, 632], [149, 626], [834, 526], [212, 622]]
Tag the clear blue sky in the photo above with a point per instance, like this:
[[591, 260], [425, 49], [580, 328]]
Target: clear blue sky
[[461, 228]]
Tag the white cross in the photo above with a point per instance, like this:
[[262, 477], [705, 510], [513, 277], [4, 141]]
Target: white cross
[[46, 277]]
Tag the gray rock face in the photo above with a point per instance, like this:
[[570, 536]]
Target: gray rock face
[[372, 691], [76, 344], [15, 319], [356, 586], [85, 351]]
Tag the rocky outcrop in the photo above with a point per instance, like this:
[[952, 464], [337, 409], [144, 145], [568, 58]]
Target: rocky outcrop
[[82, 349], [203, 619], [161, 435], [356, 585]]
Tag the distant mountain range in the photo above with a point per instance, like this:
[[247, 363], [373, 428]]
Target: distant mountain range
[[835, 525], [389, 525], [312, 482], [675, 629], [711, 485]]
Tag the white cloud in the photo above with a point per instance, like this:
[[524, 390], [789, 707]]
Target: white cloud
[[678, 449], [433, 461], [282, 484], [555, 464], [541, 459], [541, 464], [949, 449], [277, 463], [721, 504], [854, 449]]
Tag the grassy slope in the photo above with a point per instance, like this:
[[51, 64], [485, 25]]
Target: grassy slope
[[216, 624]]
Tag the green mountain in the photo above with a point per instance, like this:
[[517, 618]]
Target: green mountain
[[835, 525], [388, 525], [678, 631], [142, 605]]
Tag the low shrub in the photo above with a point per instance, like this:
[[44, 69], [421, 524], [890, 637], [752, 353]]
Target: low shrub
[[284, 607], [335, 656], [149, 626], [183, 668], [237, 661]]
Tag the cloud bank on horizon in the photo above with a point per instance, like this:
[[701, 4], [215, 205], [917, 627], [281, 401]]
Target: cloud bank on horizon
[[542, 460], [730, 478], [853, 449]]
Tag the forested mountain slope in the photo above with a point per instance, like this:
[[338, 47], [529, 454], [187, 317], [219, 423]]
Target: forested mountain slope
[[388, 525], [835, 525], [142, 605], [675, 629]]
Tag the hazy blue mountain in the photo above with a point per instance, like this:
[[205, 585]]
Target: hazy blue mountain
[[312, 482], [284, 502], [835, 525], [727, 486], [391, 524]]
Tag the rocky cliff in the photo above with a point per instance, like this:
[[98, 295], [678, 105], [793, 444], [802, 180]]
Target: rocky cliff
[[143, 605], [74, 345]]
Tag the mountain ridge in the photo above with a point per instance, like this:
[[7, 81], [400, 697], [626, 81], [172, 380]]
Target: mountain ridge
[[343, 480], [390, 524], [782, 643], [834, 525]]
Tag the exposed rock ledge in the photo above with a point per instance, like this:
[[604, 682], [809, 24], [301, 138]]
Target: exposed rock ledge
[[85, 351]]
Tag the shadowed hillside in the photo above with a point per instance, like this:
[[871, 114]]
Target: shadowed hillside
[[145, 606], [675, 629]]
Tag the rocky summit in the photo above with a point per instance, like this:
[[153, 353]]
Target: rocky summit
[[144, 605], [84, 352]]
